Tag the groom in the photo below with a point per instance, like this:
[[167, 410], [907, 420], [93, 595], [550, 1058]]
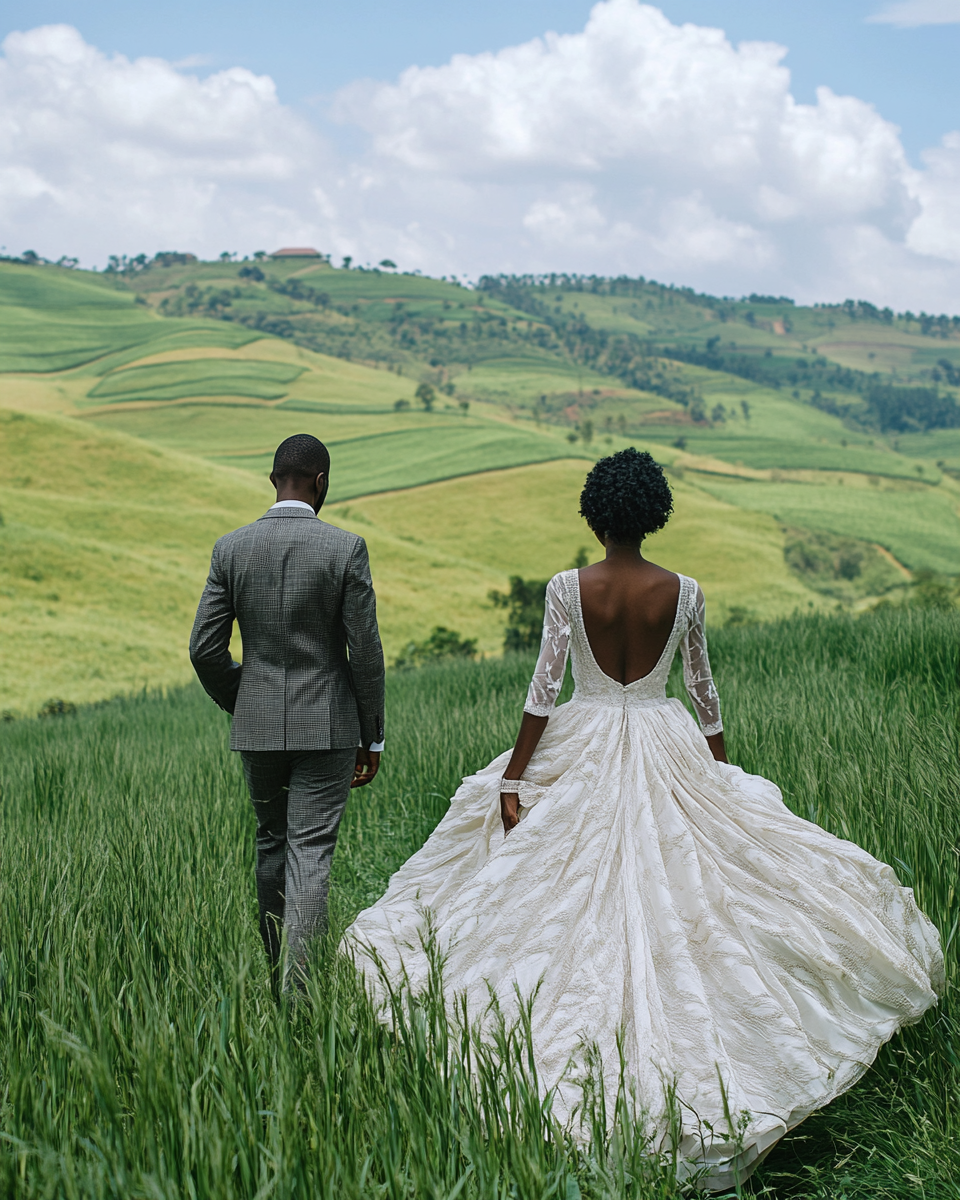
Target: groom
[[307, 703]]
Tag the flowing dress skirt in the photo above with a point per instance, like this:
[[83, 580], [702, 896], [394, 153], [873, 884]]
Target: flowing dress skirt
[[654, 894]]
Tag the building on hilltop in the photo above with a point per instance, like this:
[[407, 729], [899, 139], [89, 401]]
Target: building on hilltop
[[299, 252]]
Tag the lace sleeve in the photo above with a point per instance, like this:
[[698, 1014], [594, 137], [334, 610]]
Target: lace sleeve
[[554, 648], [696, 671]]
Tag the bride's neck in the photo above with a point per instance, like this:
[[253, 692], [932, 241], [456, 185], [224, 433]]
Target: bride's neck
[[619, 553]]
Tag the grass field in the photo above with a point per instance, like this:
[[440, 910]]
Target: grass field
[[143, 1056], [55, 320], [258, 429], [802, 455], [410, 458], [917, 524], [106, 540], [526, 522], [198, 377], [451, 496]]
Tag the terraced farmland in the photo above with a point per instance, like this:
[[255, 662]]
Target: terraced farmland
[[387, 462], [455, 487], [197, 377]]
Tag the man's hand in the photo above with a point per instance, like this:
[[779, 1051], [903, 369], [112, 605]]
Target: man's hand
[[509, 811], [368, 764]]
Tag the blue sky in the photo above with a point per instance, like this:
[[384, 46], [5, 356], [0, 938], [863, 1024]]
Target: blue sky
[[638, 140], [310, 50]]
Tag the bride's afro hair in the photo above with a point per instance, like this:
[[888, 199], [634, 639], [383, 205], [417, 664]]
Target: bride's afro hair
[[626, 497]]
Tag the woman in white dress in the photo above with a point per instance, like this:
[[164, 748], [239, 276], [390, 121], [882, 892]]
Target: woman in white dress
[[619, 866]]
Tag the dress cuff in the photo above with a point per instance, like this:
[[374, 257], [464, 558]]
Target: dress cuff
[[710, 730], [538, 710]]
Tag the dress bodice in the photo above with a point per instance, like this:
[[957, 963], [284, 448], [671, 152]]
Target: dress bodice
[[595, 685], [564, 635]]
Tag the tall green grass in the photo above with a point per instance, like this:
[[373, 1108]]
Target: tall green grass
[[142, 1055]]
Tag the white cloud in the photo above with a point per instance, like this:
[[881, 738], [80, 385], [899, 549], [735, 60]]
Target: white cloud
[[909, 14], [644, 146], [634, 146], [104, 154]]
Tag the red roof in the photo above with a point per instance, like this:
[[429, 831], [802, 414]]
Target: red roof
[[296, 252]]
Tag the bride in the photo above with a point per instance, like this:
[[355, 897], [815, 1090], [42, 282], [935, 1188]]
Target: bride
[[617, 865]]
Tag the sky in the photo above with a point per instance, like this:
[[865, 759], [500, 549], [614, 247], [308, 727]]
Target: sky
[[809, 149]]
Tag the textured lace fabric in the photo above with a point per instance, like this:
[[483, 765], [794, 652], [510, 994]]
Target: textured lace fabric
[[564, 634], [663, 908]]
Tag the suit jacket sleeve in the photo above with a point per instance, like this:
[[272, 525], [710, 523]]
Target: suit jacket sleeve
[[210, 640], [363, 645]]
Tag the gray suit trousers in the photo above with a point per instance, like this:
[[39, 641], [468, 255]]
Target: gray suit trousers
[[299, 797]]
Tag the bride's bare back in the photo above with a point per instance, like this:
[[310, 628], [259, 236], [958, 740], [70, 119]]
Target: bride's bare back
[[629, 607]]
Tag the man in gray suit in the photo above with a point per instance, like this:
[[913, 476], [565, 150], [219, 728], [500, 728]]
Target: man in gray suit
[[307, 703]]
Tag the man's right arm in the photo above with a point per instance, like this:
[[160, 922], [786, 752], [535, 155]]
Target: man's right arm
[[363, 644], [210, 639]]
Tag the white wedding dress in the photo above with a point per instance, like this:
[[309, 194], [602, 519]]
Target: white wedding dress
[[652, 891]]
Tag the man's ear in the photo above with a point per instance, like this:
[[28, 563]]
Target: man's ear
[[273, 478]]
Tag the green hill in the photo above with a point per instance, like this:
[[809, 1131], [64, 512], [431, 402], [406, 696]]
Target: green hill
[[105, 542], [815, 451]]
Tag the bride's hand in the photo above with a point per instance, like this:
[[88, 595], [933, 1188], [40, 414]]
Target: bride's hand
[[509, 810]]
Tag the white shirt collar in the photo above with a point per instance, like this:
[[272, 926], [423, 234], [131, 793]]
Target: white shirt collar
[[293, 504]]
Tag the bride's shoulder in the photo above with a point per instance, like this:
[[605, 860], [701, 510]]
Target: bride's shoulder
[[562, 581], [690, 592], [564, 587]]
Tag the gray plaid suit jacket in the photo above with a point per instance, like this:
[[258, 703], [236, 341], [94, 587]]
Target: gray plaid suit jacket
[[302, 595]]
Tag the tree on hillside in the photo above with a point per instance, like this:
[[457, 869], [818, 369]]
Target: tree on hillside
[[426, 395], [389, 264], [524, 605], [347, 260]]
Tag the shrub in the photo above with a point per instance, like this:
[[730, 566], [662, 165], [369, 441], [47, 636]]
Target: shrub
[[441, 644]]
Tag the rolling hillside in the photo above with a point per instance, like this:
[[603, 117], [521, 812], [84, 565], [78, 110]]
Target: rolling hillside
[[813, 451], [105, 542]]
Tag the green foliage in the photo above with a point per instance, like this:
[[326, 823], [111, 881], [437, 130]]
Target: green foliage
[[906, 410], [933, 591], [57, 708], [842, 567], [427, 396], [143, 1055], [524, 605], [442, 643]]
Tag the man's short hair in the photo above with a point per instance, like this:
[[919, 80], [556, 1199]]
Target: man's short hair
[[301, 457]]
